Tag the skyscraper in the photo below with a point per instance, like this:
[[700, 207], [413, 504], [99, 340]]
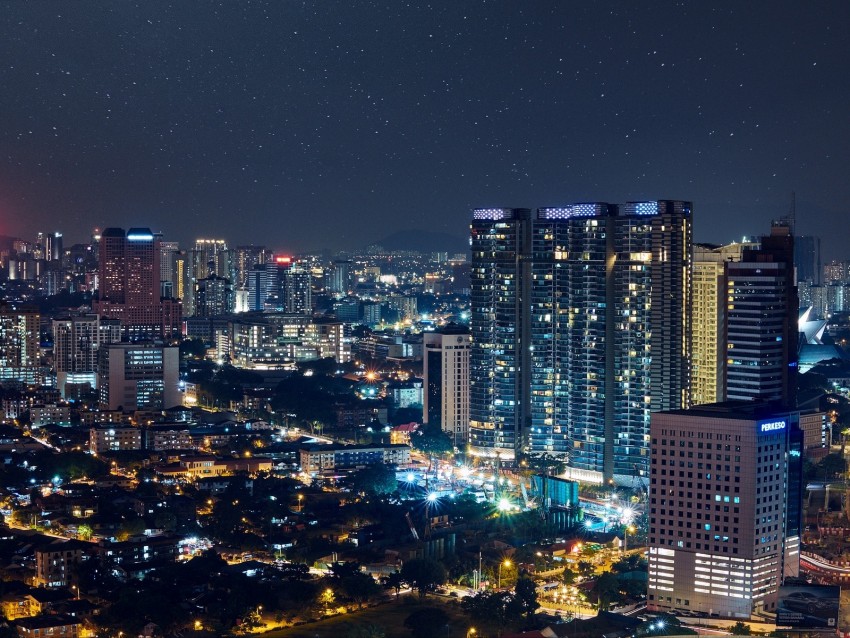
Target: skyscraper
[[129, 283], [762, 321], [213, 296], [167, 274], [807, 259], [498, 364], [341, 278], [247, 258], [581, 326], [708, 367]]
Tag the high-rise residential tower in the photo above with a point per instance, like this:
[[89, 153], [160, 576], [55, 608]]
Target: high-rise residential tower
[[708, 359], [498, 364], [581, 326], [19, 343]]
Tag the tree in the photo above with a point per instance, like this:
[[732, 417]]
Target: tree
[[606, 589], [740, 629], [427, 622], [831, 465], [193, 348], [432, 441], [375, 480], [493, 609], [360, 587], [568, 577], [526, 594], [394, 581], [585, 568], [423, 574]]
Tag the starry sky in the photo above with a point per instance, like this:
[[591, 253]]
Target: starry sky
[[317, 124]]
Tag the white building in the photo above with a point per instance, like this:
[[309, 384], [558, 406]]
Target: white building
[[446, 379]]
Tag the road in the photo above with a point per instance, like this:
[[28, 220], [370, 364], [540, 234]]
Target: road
[[820, 566]]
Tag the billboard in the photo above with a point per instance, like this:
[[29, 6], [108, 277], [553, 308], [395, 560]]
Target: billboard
[[808, 606]]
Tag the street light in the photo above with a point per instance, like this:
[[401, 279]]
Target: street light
[[470, 632], [506, 563]]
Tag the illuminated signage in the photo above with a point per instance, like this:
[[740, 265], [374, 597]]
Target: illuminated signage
[[283, 260], [140, 237], [777, 425]]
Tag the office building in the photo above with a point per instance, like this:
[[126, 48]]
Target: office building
[[446, 380], [580, 327], [19, 343], [762, 321], [129, 285], [76, 342], [138, 376], [724, 508]]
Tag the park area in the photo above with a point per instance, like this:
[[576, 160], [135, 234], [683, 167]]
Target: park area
[[386, 621]]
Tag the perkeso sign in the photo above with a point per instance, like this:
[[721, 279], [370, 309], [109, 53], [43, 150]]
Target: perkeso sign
[[772, 425]]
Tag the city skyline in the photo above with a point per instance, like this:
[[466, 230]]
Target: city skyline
[[275, 122]]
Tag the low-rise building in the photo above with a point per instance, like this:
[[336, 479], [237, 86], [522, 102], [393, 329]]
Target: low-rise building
[[320, 458], [58, 413], [103, 439]]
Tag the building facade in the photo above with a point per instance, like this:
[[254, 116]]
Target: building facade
[[500, 240], [19, 343], [129, 285], [762, 321], [76, 342], [724, 508], [708, 358], [446, 381], [136, 376], [580, 326]]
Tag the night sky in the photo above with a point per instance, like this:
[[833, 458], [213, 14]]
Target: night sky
[[325, 124]]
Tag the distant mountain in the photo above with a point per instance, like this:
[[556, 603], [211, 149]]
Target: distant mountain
[[425, 241]]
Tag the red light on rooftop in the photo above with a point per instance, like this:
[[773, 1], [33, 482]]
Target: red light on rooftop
[[283, 260]]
